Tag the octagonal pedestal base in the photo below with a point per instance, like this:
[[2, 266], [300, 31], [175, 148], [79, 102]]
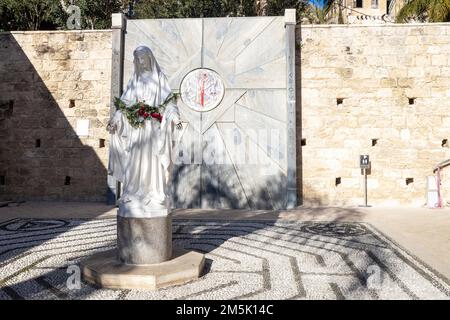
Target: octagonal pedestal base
[[105, 270]]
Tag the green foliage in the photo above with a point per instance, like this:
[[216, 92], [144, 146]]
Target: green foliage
[[148, 9], [96, 14], [317, 11], [425, 11], [277, 7], [28, 14], [138, 112], [51, 14]]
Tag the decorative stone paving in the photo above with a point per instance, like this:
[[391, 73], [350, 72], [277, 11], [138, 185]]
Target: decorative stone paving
[[245, 260]]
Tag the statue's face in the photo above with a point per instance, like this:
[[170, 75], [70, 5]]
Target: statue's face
[[144, 61]]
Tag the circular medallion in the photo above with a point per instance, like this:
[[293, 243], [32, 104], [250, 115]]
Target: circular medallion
[[335, 229], [31, 225], [202, 89]]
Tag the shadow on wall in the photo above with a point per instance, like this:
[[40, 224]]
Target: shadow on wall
[[42, 158], [216, 190]]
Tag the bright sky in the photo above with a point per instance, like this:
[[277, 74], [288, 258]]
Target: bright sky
[[318, 3]]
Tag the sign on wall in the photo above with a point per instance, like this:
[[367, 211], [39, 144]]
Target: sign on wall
[[364, 161]]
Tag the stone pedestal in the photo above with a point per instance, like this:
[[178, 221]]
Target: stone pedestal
[[142, 241], [105, 270], [144, 258]]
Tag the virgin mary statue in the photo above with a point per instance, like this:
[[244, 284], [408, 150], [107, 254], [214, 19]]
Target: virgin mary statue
[[140, 158]]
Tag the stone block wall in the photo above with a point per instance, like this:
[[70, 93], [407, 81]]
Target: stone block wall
[[377, 90], [49, 81]]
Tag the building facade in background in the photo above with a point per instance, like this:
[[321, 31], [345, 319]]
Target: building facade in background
[[360, 12], [395, 6]]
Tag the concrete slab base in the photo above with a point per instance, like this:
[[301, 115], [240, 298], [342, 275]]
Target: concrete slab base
[[105, 270]]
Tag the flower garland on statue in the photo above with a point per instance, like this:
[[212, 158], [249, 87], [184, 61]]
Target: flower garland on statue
[[139, 111]]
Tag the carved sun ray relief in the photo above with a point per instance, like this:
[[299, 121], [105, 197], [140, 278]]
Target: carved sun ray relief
[[238, 56], [214, 64]]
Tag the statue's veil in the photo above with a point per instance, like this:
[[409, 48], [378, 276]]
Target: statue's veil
[[157, 85]]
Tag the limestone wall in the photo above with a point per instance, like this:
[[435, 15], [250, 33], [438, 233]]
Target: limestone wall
[[48, 81], [374, 71]]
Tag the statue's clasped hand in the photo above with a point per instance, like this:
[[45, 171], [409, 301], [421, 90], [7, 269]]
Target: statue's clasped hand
[[111, 127], [179, 125]]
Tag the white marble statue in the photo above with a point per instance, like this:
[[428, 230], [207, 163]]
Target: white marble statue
[[140, 158]]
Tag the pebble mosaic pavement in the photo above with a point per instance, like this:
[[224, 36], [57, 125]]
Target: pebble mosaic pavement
[[244, 260]]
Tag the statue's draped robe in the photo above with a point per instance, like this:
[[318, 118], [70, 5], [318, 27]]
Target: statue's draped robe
[[140, 158]]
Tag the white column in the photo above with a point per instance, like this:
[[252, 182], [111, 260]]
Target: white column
[[118, 27]]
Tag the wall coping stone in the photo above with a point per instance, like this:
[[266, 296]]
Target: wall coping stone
[[407, 25], [57, 31]]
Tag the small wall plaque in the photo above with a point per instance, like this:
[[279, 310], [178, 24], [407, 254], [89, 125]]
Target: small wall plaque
[[82, 127]]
